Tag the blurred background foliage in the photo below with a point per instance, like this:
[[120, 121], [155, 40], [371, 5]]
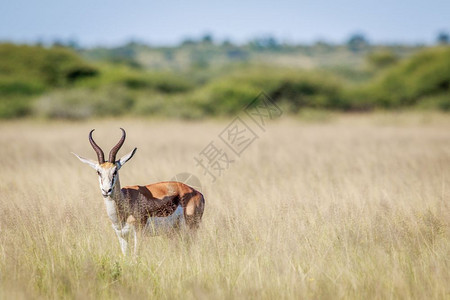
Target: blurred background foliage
[[202, 78]]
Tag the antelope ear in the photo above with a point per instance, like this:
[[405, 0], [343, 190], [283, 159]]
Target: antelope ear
[[126, 158], [90, 162]]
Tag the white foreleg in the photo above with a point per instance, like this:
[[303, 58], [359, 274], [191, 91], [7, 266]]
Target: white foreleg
[[123, 245], [124, 234]]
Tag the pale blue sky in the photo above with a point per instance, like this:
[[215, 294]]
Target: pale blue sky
[[111, 22]]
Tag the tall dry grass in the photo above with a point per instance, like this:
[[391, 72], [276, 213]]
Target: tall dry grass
[[357, 207]]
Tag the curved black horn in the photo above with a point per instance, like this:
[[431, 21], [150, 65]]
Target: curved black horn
[[113, 152], [98, 150]]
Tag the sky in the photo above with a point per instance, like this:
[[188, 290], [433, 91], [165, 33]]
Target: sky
[[114, 22]]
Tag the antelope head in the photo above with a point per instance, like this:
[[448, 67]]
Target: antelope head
[[107, 170]]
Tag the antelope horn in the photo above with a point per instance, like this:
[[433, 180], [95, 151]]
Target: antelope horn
[[113, 152], [98, 150]]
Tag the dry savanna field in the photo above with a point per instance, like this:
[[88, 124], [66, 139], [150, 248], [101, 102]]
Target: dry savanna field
[[354, 206]]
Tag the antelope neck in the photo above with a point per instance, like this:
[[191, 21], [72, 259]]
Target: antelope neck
[[111, 204]]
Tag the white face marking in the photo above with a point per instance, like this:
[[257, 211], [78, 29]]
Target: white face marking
[[107, 177], [107, 172]]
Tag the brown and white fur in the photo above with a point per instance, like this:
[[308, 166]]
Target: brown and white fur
[[154, 208]]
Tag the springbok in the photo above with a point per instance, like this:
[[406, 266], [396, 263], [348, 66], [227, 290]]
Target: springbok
[[156, 208]]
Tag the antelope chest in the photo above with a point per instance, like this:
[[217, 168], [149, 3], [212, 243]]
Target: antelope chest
[[161, 225]]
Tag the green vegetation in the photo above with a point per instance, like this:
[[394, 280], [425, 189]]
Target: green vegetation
[[202, 79], [29, 71], [32, 69], [422, 80]]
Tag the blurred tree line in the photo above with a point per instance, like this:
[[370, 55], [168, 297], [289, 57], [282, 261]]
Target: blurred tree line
[[203, 77]]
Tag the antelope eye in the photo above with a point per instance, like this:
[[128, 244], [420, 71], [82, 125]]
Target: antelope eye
[[98, 173]]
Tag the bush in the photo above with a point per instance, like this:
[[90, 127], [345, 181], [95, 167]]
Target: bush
[[14, 86], [37, 66], [382, 58], [424, 75], [163, 82], [311, 90], [224, 97]]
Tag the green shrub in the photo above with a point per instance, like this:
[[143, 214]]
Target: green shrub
[[224, 97], [14, 86], [164, 82], [423, 75], [310, 90], [382, 58], [40, 66], [161, 82]]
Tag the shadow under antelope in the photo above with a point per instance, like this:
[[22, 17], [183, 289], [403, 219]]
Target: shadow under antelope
[[154, 208]]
